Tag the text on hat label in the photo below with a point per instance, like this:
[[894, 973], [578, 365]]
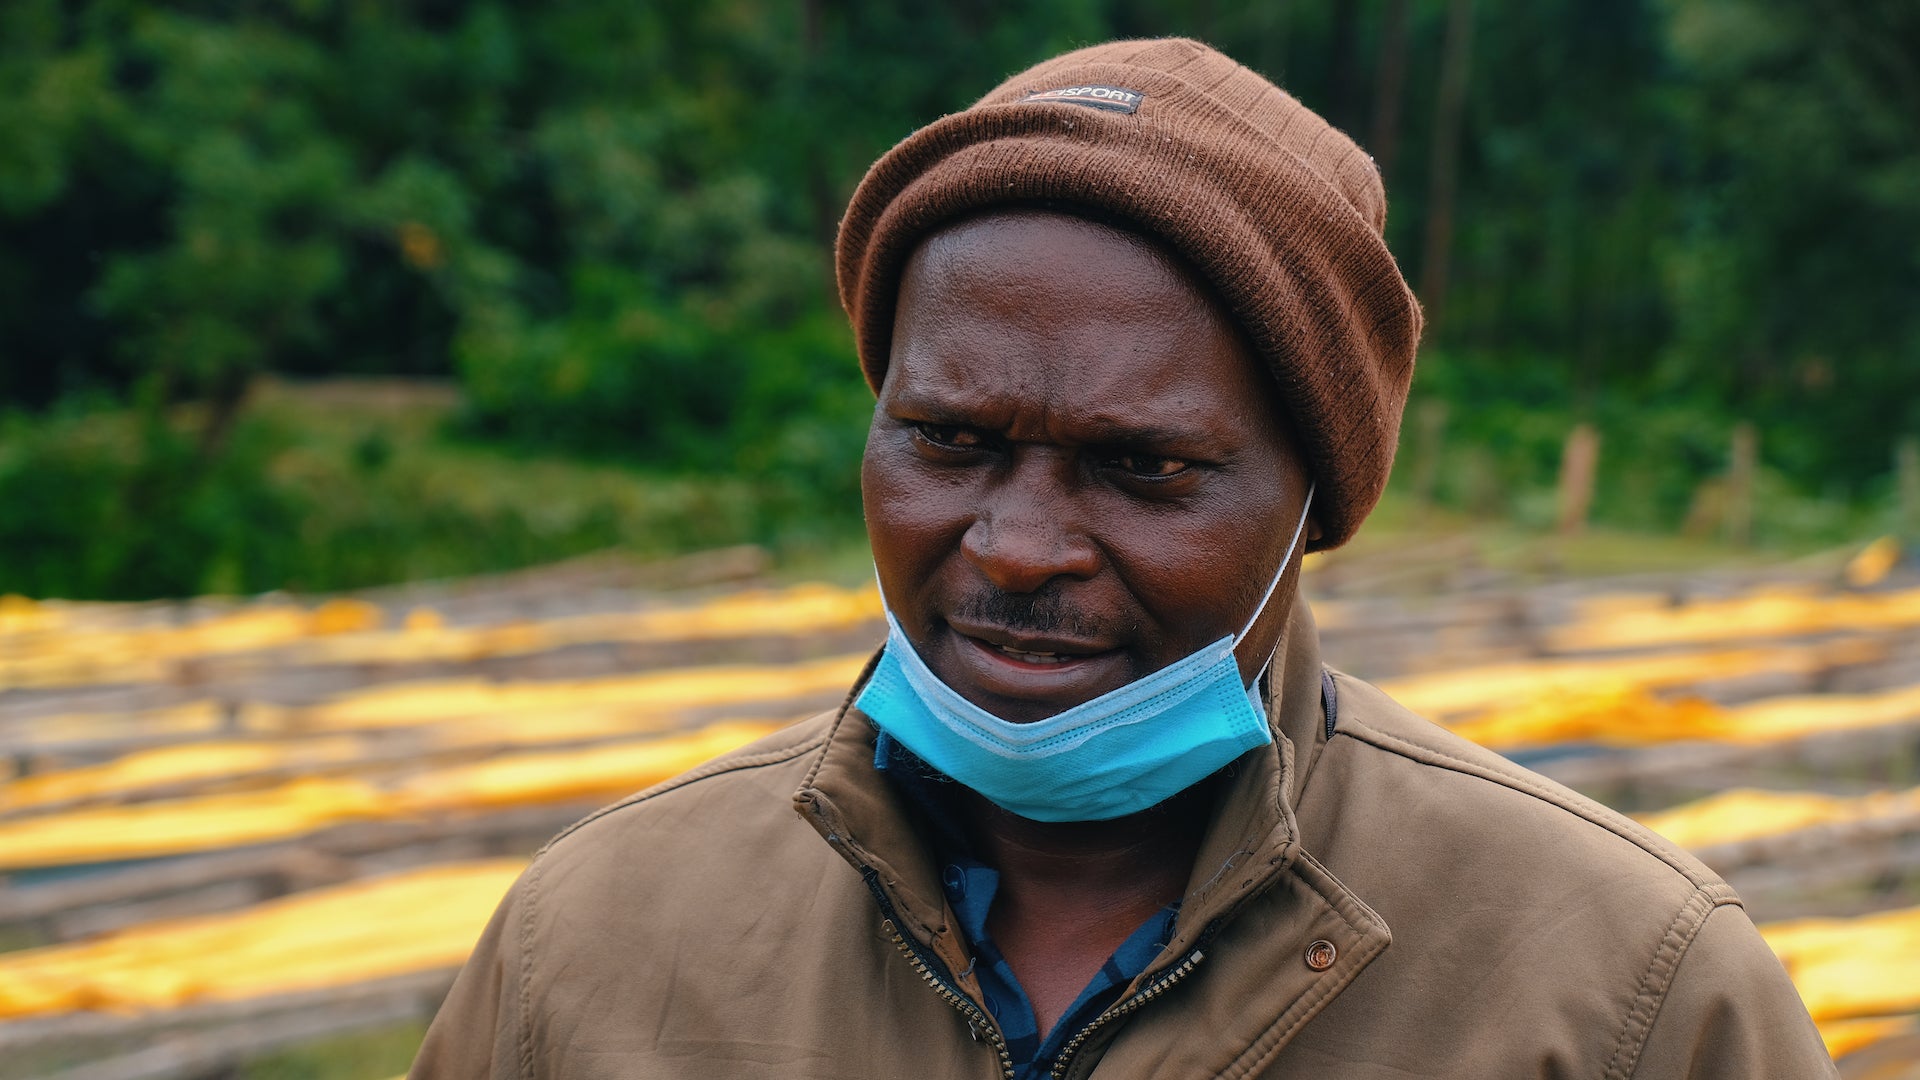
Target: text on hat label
[[1109, 98]]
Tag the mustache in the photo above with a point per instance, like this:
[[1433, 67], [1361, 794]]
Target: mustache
[[1045, 613]]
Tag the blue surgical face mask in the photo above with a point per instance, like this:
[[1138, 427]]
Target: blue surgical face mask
[[1128, 749]]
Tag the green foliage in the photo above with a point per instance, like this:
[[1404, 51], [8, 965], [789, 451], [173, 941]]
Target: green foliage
[[321, 496], [1797, 265], [1662, 459], [125, 514], [611, 222]]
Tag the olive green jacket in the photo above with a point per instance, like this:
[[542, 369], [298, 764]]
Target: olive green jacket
[[1385, 902]]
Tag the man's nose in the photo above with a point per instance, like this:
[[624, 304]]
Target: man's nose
[[1024, 536]]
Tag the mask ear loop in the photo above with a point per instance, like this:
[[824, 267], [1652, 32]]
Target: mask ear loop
[[1298, 528]]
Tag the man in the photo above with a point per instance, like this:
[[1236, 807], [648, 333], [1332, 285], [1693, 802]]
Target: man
[[1097, 809]]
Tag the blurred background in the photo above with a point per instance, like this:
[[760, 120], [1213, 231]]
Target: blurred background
[[594, 239], [417, 420]]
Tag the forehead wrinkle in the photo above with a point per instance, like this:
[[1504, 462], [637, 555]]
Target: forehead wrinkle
[[1052, 363], [1051, 328], [1021, 414], [1028, 381]]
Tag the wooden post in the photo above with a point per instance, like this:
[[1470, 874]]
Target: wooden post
[[1906, 471], [1430, 425], [1744, 462], [1578, 464]]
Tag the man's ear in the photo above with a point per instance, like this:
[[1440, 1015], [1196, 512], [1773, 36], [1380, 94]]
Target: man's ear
[[1314, 531]]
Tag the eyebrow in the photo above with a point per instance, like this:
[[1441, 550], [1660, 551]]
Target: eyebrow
[[1104, 431]]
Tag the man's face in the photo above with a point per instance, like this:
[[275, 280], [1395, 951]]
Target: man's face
[[1077, 474]]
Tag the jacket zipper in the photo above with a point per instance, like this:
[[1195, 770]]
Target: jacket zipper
[[978, 1022], [1133, 1004]]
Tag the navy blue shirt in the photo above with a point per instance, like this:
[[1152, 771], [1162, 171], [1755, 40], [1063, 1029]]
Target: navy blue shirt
[[970, 885]]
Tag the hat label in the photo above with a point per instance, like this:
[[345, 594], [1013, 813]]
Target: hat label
[[1104, 98]]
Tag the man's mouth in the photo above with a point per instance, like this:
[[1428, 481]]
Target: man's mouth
[[1029, 648], [1034, 670], [1034, 657], [1022, 676]]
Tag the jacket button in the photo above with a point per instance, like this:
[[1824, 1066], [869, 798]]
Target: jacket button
[[1321, 955]]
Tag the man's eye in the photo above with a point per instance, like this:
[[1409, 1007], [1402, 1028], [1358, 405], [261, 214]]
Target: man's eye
[[1150, 465], [949, 436]]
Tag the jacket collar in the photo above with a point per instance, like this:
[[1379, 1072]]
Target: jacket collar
[[1253, 836]]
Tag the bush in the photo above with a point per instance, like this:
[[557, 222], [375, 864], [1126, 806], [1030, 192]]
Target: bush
[[119, 511], [112, 506]]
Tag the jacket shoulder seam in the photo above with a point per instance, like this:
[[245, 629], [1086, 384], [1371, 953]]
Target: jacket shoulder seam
[[529, 914], [717, 767], [1436, 757], [523, 967], [1651, 993]]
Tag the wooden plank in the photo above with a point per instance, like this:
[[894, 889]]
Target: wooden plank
[[1838, 884], [103, 1038], [1660, 775], [339, 854], [1897, 1058], [1809, 846], [101, 918], [220, 1050]]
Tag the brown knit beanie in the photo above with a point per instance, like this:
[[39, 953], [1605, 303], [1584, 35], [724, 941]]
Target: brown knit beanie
[[1279, 211]]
